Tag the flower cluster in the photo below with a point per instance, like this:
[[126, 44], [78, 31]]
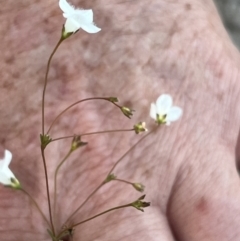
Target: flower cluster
[[163, 112]]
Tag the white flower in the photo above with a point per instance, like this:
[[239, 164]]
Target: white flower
[[77, 18], [163, 111], [7, 178]]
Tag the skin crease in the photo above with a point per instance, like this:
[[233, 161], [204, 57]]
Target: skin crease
[[145, 48]]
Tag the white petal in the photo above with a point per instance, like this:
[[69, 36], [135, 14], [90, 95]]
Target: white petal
[[86, 14], [5, 176], [164, 103], [66, 7], [90, 27], [6, 160], [71, 25], [153, 111], [4, 179], [174, 114]]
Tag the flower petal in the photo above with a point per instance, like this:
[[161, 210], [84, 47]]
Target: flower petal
[[174, 114], [66, 7], [86, 14], [4, 179], [71, 25], [90, 27], [5, 176], [164, 103], [6, 160], [153, 111]]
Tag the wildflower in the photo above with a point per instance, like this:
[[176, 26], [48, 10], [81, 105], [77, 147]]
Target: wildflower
[[140, 127], [163, 112], [76, 19], [7, 178]]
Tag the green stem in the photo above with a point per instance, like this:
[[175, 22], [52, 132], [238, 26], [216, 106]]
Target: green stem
[[121, 180], [46, 79], [55, 182], [91, 133], [72, 105], [47, 186], [103, 182], [36, 205], [122, 157], [95, 216], [86, 200]]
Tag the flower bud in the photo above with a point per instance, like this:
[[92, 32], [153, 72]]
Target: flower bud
[[127, 112], [139, 204], [140, 127], [139, 187], [76, 143]]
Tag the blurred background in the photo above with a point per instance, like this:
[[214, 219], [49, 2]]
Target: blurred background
[[230, 13]]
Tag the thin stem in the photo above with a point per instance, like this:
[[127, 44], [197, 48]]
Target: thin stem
[[55, 182], [47, 186], [102, 213], [95, 216], [86, 200], [36, 205], [121, 180], [103, 182], [75, 103], [92, 133], [122, 157], [46, 78]]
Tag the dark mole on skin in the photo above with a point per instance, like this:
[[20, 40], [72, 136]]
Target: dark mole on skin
[[188, 6]]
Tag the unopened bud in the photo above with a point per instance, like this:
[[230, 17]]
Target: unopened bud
[[76, 143], [127, 112], [139, 187], [139, 204], [140, 127]]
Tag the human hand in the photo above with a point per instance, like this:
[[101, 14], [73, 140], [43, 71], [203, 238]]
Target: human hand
[[144, 49]]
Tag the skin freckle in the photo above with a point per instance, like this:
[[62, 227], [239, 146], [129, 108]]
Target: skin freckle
[[202, 206], [188, 7]]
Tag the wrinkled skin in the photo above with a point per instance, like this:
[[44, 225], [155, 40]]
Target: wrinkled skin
[[145, 48]]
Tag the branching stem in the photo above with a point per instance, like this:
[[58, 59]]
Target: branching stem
[[104, 181], [95, 216], [72, 105]]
